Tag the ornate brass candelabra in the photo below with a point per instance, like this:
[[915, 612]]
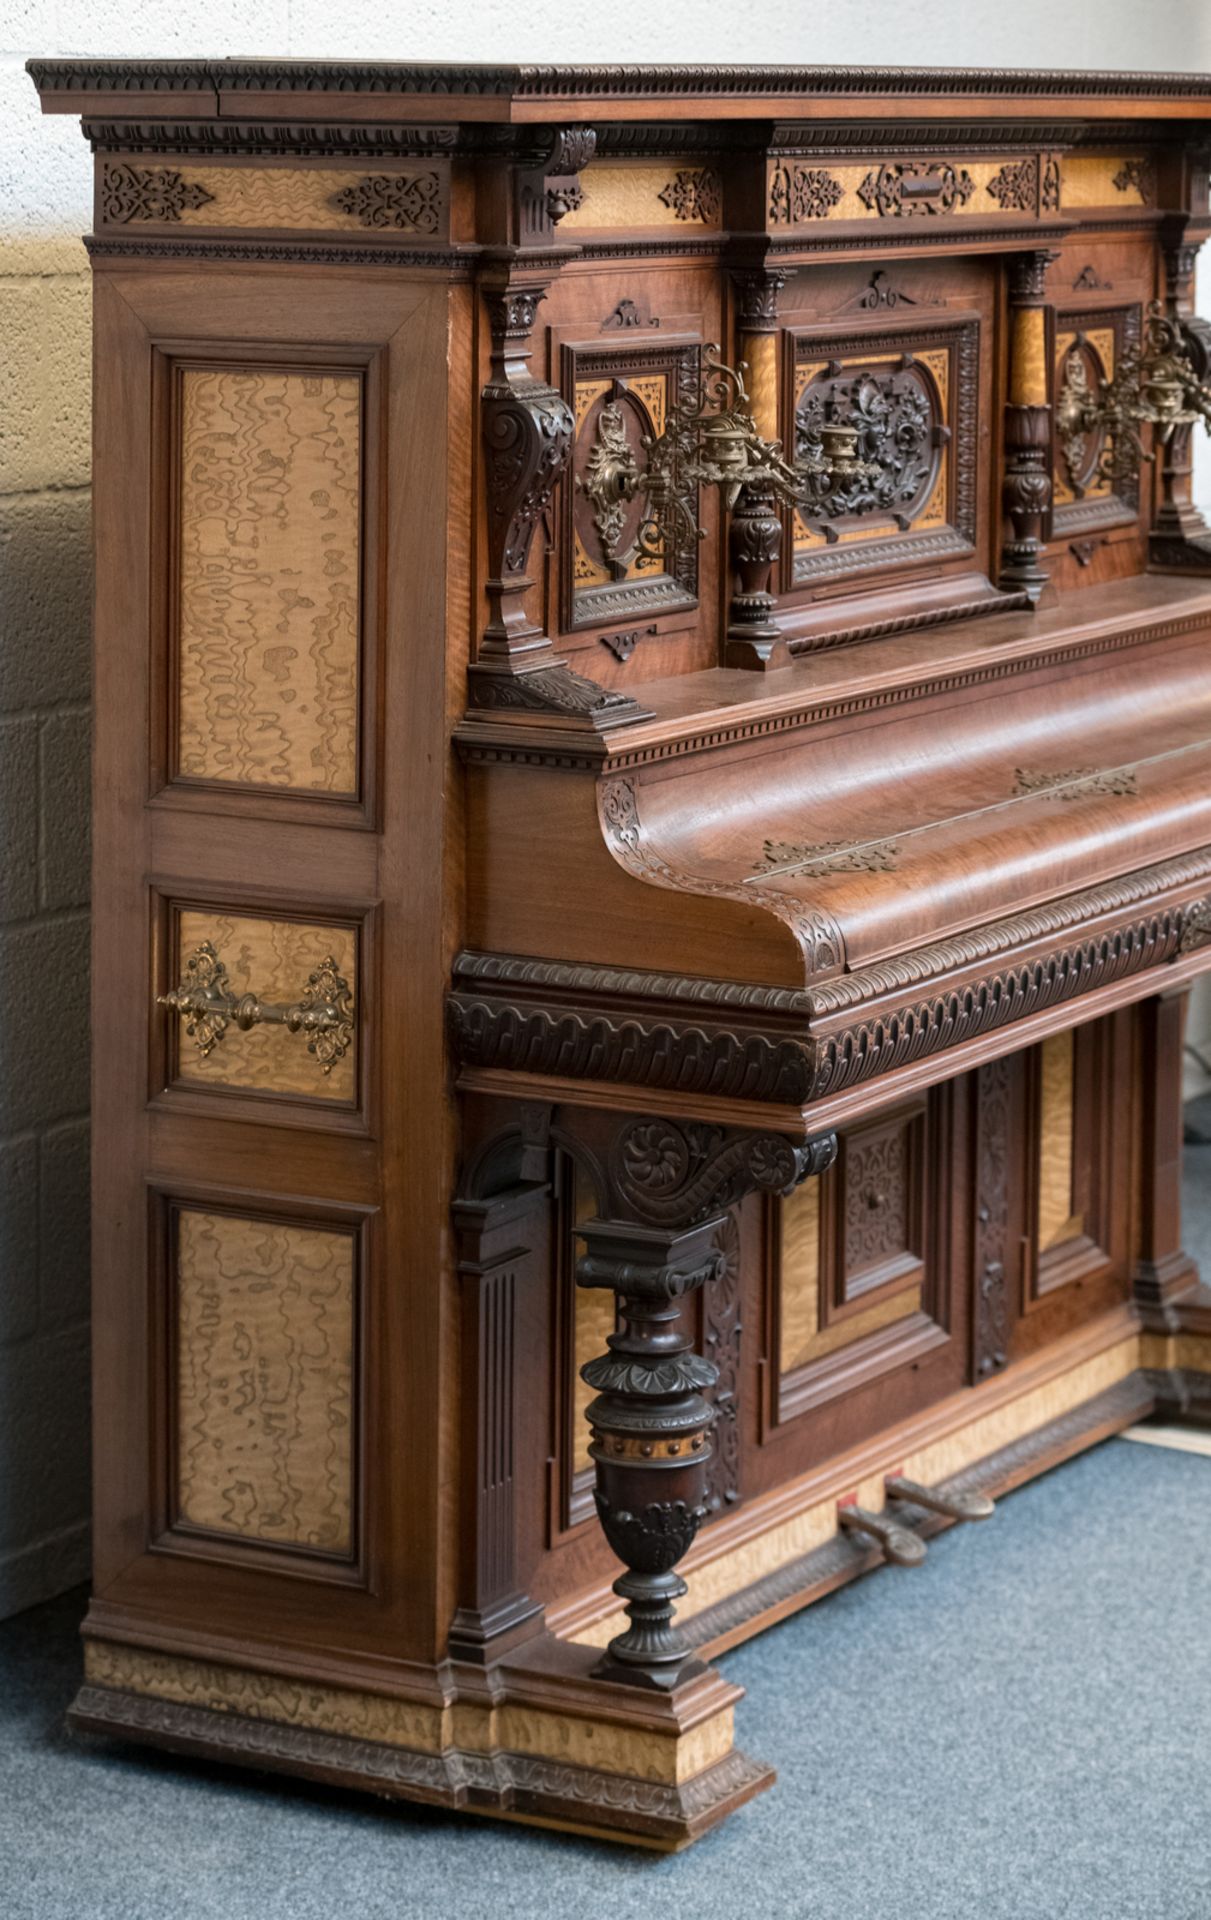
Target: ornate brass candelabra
[[1155, 385]]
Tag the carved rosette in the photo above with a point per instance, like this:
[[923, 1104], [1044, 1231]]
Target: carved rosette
[[668, 1237]]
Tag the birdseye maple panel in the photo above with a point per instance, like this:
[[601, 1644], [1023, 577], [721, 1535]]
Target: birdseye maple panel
[[268, 600], [265, 1347]]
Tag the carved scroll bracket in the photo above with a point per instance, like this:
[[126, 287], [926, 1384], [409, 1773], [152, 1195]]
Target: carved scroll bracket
[[670, 1186], [1180, 539], [528, 429]]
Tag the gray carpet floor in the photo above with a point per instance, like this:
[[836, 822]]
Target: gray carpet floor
[[1018, 1730]]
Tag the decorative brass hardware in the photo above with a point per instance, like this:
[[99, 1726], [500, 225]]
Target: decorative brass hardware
[[1154, 385], [900, 1545], [710, 439], [206, 1003], [956, 1506]]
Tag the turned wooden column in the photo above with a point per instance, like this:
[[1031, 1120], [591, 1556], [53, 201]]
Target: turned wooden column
[[671, 1185], [755, 534], [1027, 485]]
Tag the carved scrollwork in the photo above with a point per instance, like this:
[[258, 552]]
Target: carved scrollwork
[[896, 417], [694, 193], [528, 430], [721, 1339], [409, 203], [993, 1165], [799, 193], [1196, 927], [914, 187], [654, 1539], [148, 193], [667, 1173], [1015, 186]]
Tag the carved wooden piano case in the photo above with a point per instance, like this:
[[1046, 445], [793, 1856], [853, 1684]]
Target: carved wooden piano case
[[653, 827]]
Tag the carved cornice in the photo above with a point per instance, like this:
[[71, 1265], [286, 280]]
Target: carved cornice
[[602, 82], [202, 138]]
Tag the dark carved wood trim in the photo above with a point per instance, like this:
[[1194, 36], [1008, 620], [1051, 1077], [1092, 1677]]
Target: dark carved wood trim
[[993, 1237], [602, 82], [528, 430], [449, 263]]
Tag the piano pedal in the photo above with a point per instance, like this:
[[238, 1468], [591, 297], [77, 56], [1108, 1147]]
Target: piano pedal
[[956, 1506], [900, 1545]]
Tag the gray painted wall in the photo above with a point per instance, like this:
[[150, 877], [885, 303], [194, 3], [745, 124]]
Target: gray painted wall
[[44, 564]]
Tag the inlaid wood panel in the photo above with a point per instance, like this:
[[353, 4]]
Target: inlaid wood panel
[[265, 1327], [801, 192], [268, 561], [1108, 180], [676, 193], [390, 199], [1057, 1220], [272, 959]]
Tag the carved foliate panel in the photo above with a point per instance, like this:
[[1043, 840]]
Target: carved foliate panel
[[265, 1318], [267, 577], [919, 189], [856, 1283], [912, 395], [379, 196], [1089, 344], [620, 398]]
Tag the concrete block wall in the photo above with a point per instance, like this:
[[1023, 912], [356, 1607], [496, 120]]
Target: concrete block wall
[[45, 191]]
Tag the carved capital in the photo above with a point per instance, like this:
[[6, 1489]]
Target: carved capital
[[757, 298]]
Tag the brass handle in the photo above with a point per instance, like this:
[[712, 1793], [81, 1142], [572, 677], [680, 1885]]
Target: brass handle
[[208, 1006]]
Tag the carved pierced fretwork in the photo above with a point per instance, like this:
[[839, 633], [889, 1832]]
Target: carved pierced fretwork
[[408, 203], [799, 193], [1050, 185], [994, 1149], [915, 187], [148, 193], [694, 193], [899, 436], [1015, 187], [1138, 173]]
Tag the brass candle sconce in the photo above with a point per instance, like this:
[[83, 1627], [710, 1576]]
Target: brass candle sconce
[[711, 439], [1155, 385]]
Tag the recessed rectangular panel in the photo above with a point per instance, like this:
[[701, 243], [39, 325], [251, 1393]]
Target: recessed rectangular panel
[[274, 961], [264, 1365], [799, 1269], [1058, 1219], [268, 591]]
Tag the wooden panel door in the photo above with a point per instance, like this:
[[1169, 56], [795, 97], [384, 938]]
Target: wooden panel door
[[271, 1157]]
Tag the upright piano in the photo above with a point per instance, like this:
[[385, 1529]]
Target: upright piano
[[653, 834]]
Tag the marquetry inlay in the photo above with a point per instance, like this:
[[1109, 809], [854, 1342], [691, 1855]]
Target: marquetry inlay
[[272, 959], [268, 594], [386, 198], [675, 193], [265, 1328]]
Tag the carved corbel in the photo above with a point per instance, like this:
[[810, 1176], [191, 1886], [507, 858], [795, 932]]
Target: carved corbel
[[670, 1187], [547, 184], [528, 429], [1027, 484]]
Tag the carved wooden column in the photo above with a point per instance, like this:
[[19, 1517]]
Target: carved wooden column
[[670, 1187], [503, 1254], [1180, 539], [1027, 486], [755, 536], [1163, 1270]]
